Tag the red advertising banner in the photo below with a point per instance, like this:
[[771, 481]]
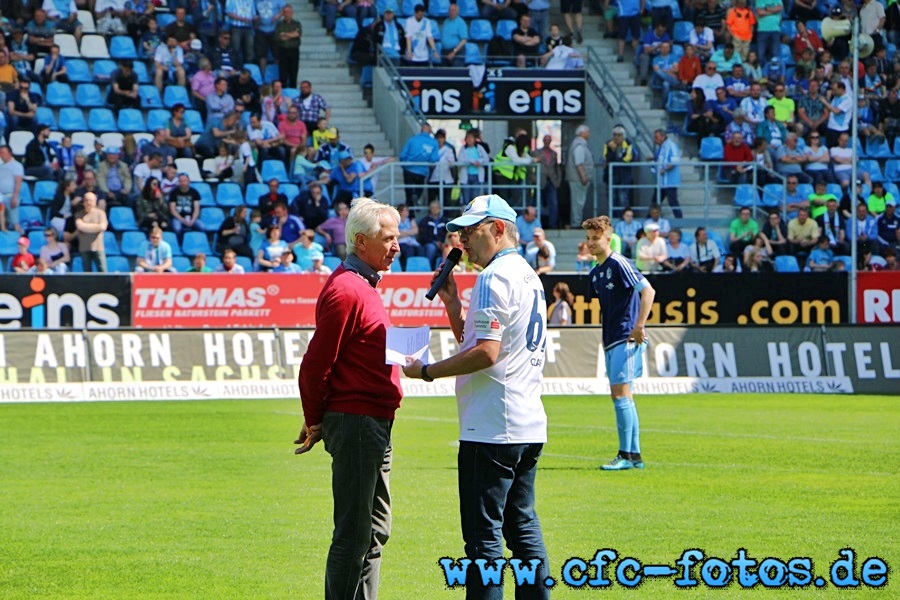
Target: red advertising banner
[[221, 301], [878, 297]]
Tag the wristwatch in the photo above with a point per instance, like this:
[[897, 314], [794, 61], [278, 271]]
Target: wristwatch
[[425, 376]]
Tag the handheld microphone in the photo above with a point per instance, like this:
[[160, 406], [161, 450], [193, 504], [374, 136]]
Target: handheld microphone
[[450, 262]]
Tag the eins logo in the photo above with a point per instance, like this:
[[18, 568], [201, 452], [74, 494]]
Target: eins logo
[[58, 310], [434, 101], [546, 102]]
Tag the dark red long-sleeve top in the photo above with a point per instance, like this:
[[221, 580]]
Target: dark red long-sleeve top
[[343, 369]]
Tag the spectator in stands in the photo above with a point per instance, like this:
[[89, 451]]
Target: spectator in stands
[[627, 230], [22, 105], [724, 107], [866, 226], [432, 230], [832, 226], [526, 42], [768, 29], [818, 159], [526, 224], [22, 261], [689, 67], [628, 23], [651, 48], [473, 158], [64, 16], [443, 172], [243, 87], [234, 234], [286, 46], [540, 252], [803, 234], [754, 106], [571, 11], [54, 69], [180, 29], [225, 59], [55, 254], [725, 59], [169, 61], [89, 184], [841, 108], [159, 145], [409, 231], [666, 70], [757, 256], [419, 39], [311, 205], [110, 16], [266, 139], [66, 204], [203, 85], [334, 230], [678, 257], [40, 32], [811, 113], [708, 82], [619, 152], [293, 132], [269, 255], [287, 264], [155, 254], [790, 159], [739, 125], [704, 254], [703, 40], [40, 157], [114, 179], [774, 132], [741, 232], [889, 111], [551, 179], [21, 57], [151, 167], [239, 18], [763, 159], [198, 264], [291, 226], [269, 200], [345, 179], [219, 103], [388, 35], [740, 22], [311, 106], [90, 226], [304, 251], [888, 225], [151, 37], [179, 134], [667, 169], [184, 206], [654, 215], [12, 176], [229, 263], [420, 148], [878, 199], [737, 151], [268, 14], [784, 106], [806, 39], [650, 250], [842, 157], [579, 173], [152, 210], [776, 234], [821, 258], [123, 91], [497, 10], [737, 85]]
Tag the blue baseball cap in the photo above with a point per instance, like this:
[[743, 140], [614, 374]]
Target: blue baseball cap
[[481, 208]]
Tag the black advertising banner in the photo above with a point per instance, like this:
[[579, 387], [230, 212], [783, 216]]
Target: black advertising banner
[[869, 355], [497, 92], [72, 301], [721, 299]]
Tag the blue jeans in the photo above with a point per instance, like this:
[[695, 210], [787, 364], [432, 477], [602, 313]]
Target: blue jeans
[[551, 204], [361, 455], [496, 502], [769, 43]]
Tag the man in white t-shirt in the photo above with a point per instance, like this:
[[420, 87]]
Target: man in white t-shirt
[[841, 109], [152, 167], [709, 81], [419, 39], [499, 370]]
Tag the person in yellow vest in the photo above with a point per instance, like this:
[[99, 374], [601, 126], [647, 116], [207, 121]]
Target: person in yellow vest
[[511, 166]]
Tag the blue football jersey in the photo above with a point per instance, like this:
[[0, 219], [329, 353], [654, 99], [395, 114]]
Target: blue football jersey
[[614, 283]]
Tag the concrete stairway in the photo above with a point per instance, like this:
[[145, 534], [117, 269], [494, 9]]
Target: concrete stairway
[[324, 63]]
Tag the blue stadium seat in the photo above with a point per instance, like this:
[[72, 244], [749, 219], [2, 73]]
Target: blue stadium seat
[[772, 195], [102, 120], [156, 118], [436, 32], [345, 28], [103, 70], [878, 148], [804, 190], [117, 264], [677, 103], [246, 263], [213, 262], [131, 241], [122, 46], [290, 190], [834, 188], [255, 73], [274, 169], [172, 239], [505, 28], [438, 9], [78, 71], [789, 28], [194, 242], [872, 168], [59, 94], [405, 7], [892, 168], [480, 30], [25, 194], [787, 56], [45, 116], [228, 195], [31, 217], [194, 121], [366, 77], [716, 238], [712, 148], [896, 151], [473, 54], [44, 191], [745, 195], [110, 245], [815, 26], [418, 264], [683, 31], [140, 69], [181, 263], [333, 262], [131, 120], [847, 260], [271, 74], [396, 267], [786, 264], [77, 267], [212, 218], [72, 119], [468, 9], [149, 96], [253, 191], [164, 19], [87, 95], [206, 195], [175, 94], [9, 243], [37, 241], [121, 218]]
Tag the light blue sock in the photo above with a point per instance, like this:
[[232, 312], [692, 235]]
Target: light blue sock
[[624, 422], [635, 431]]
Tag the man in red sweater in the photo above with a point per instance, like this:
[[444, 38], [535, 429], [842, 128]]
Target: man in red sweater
[[349, 398], [737, 151]]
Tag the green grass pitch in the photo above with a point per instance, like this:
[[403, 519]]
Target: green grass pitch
[[207, 500]]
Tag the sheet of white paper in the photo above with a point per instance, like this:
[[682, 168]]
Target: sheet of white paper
[[406, 341]]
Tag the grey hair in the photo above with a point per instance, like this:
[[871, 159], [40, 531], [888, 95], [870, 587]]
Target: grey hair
[[618, 129], [511, 232], [582, 129], [365, 218]]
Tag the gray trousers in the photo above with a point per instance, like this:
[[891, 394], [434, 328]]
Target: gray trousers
[[577, 198]]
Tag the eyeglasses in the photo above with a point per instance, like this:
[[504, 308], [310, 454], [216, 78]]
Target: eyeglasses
[[813, 137], [468, 231]]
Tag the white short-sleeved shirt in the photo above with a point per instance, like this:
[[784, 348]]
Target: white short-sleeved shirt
[[502, 404], [841, 122], [417, 34]]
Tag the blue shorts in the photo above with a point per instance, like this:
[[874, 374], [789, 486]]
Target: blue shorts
[[625, 362]]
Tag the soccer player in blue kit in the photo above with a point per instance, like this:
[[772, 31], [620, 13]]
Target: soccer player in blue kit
[[626, 298]]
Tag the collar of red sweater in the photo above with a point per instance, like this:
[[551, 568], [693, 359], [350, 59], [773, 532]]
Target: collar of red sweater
[[356, 264]]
